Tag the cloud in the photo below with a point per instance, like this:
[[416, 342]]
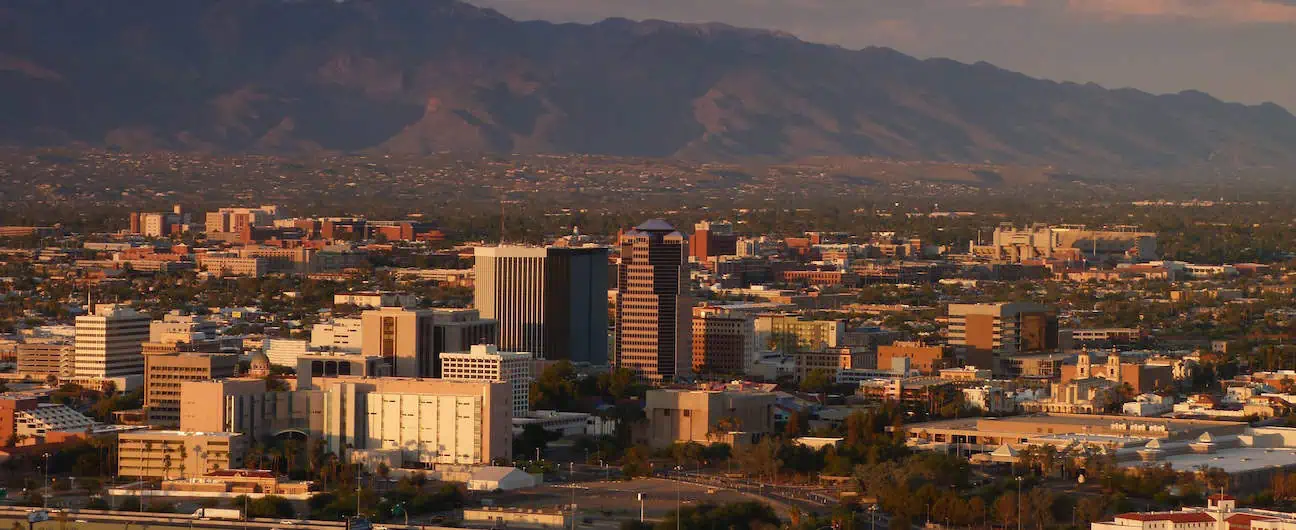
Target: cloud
[[1207, 11]]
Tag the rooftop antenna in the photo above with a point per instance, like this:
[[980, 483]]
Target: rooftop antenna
[[501, 238]]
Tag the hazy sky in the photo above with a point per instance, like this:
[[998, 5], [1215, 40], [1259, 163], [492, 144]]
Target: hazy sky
[[1237, 50]]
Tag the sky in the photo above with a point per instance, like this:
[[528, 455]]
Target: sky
[[1236, 50]]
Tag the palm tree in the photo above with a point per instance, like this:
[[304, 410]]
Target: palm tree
[[166, 463], [184, 457], [148, 451]]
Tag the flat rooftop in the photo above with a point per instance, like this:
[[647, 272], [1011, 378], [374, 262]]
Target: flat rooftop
[[1097, 426], [1235, 460]]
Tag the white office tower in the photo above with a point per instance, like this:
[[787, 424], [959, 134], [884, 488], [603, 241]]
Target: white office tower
[[484, 362], [108, 342]]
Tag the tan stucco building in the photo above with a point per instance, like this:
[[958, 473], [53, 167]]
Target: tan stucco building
[[705, 416], [178, 454]]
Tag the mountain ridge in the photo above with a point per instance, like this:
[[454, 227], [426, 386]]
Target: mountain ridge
[[426, 76]]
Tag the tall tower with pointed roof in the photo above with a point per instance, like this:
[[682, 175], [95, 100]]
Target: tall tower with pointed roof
[[653, 307]]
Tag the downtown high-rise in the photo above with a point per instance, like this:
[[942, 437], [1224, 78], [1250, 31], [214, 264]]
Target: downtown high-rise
[[549, 301], [653, 307]]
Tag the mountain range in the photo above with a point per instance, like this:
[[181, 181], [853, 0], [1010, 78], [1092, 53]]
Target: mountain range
[[425, 76]]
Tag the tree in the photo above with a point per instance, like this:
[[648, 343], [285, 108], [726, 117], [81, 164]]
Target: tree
[[635, 463], [759, 459], [271, 506], [817, 381], [554, 387], [749, 515], [533, 437], [797, 425], [1005, 508]]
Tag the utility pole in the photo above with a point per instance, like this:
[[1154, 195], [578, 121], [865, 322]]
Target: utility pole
[[571, 476]]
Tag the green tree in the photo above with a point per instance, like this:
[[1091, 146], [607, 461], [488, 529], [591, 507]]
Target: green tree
[[817, 381]]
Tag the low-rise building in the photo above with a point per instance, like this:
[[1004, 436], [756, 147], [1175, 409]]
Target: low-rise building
[[45, 418], [178, 454], [376, 299], [1220, 513], [706, 416], [928, 359]]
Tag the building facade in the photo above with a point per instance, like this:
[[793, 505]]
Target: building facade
[[724, 342], [712, 239], [706, 416], [486, 363], [790, 333], [340, 334], [412, 341], [987, 333], [165, 373], [653, 306], [108, 342], [43, 360], [550, 301], [178, 454]]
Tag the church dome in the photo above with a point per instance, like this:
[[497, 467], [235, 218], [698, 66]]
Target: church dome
[[260, 366]]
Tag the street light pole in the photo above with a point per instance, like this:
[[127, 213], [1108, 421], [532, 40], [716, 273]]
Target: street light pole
[[45, 498], [678, 469], [571, 477]]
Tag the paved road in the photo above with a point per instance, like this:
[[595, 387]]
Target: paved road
[[110, 520], [607, 503]]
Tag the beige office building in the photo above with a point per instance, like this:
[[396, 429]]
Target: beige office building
[[986, 333], [165, 373], [246, 405], [412, 341], [437, 421], [486, 363], [178, 454], [653, 306], [429, 421], [108, 342], [706, 416]]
